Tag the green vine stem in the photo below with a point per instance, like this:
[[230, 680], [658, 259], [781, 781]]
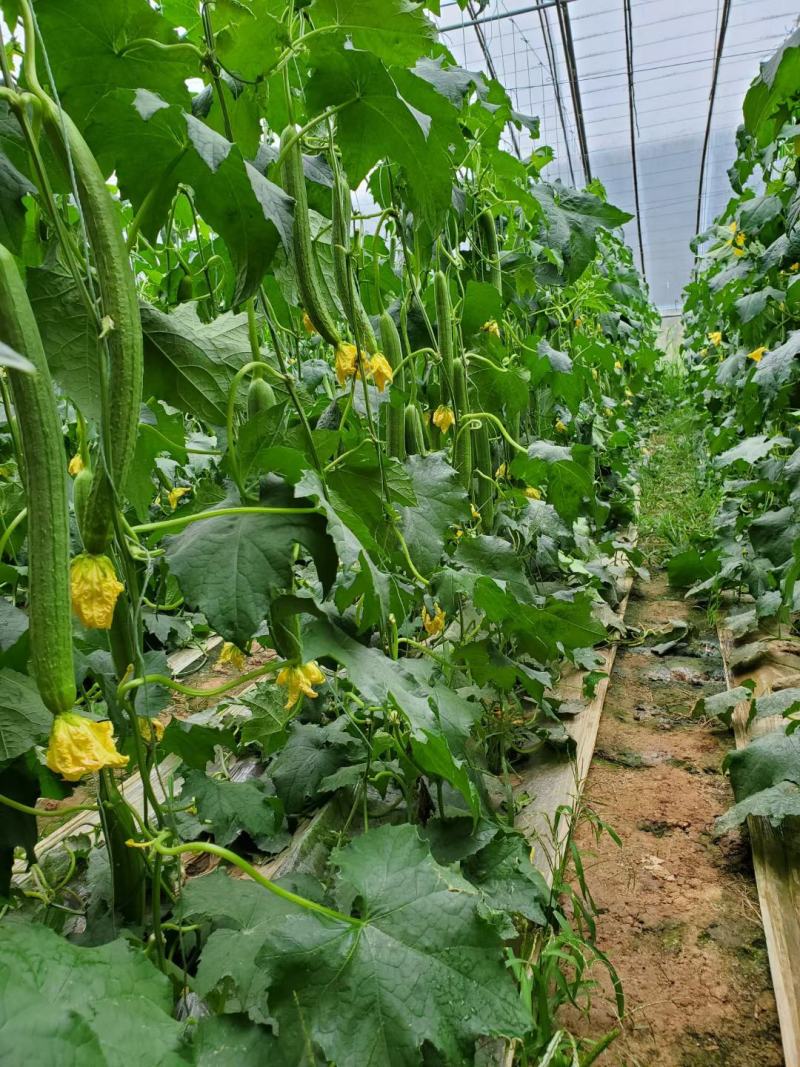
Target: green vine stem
[[164, 525], [206, 847], [26, 809], [127, 684]]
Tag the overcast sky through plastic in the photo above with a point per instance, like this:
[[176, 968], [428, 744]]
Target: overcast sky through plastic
[[674, 45]]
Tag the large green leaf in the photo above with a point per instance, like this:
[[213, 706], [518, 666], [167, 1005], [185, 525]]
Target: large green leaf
[[62, 1004], [24, 720], [544, 631], [376, 123], [154, 147], [396, 31], [94, 45], [231, 567], [441, 503], [228, 808], [191, 364], [420, 964], [572, 220], [776, 83]]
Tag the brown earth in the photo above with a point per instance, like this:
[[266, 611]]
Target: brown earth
[[679, 913]]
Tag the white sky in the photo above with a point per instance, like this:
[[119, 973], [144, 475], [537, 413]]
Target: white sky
[[674, 43]]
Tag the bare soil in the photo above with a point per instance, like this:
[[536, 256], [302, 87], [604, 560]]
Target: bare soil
[[679, 913]]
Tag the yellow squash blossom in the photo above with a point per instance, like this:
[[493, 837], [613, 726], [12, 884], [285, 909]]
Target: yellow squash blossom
[[229, 653], [617, 365], [561, 427], [733, 226], [715, 337], [579, 322], [174, 495], [346, 362], [151, 729], [738, 251], [79, 746], [532, 493], [299, 681], [95, 589], [628, 393], [76, 465], [381, 371], [474, 512], [500, 473], [794, 267], [491, 327], [757, 354], [308, 325], [443, 418], [740, 238], [434, 624]]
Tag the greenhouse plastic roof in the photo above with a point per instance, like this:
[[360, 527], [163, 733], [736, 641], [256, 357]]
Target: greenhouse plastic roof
[[674, 46]]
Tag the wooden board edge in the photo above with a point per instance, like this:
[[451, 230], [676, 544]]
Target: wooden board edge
[[776, 863]]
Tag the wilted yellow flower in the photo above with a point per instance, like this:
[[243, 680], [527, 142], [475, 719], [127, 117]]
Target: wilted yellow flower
[[703, 351], [561, 427], [491, 327], [740, 238], [232, 655], [579, 321], [299, 681], [738, 251], [500, 473], [346, 362], [76, 465], [81, 746], [617, 365], [308, 325], [794, 267], [459, 533], [434, 624], [715, 337], [532, 493], [474, 512], [757, 354], [732, 226], [174, 495], [381, 371], [595, 374], [443, 417], [151, 729], [628, 393], [95, 589]]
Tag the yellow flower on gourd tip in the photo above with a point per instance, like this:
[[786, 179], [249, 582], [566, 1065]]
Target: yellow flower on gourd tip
[[794, 267], [76, 465], [757, 354], [151, 729], [738, 251], [308, 325], [500, 472], [346, 362], [740, 238], [80, 746], [561, 427], [299, 681], [491, 327], [532, 493], [443, 418], [174, 495], [434, 624], [95, 589], [381, 371], [474, 512], [232, 655], [715, 337]]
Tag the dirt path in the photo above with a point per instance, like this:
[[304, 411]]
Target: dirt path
[[678, 912]]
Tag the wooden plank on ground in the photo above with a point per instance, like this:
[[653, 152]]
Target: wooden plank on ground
[[776, 856], [553, 780]]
